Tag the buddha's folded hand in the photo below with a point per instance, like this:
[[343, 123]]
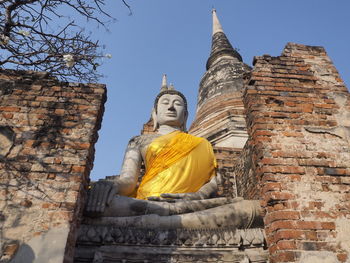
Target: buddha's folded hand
[[100, 196]]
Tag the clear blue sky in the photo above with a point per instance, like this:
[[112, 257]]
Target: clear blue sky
[[174, 37]]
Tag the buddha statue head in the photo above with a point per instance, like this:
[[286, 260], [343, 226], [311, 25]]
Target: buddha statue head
[[170, 108]]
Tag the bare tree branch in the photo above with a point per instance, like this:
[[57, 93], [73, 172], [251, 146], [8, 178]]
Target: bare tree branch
[[42, 35]]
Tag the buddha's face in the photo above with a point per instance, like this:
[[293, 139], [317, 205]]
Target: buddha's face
[[171, 110]]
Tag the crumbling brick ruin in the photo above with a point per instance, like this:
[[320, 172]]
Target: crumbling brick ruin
[[47, 134], [297, 159]]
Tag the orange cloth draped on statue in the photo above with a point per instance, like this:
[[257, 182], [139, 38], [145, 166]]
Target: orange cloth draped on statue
[[176, 163]]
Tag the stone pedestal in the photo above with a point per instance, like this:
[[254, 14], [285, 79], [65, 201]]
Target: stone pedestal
[[112, 244]]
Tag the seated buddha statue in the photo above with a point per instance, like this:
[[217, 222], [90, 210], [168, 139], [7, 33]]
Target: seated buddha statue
[[180, 181]]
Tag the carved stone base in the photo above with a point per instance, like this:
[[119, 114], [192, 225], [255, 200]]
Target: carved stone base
[[111, 244]]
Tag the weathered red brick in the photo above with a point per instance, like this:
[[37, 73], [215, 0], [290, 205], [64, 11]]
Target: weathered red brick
[[283, 169], [9, 109], [83, 145], [342, 257], [50, 205], [292, 134], [285, 256], [68, 205], [78, 169], [263, 133], [276, 161], [281, 225], [45, 98], [60, 111], [282, 245], [51, 176], [7, 115], [308, 108], [281, 215], [325, 106], [309, 225], [272, 186], [11, 249]]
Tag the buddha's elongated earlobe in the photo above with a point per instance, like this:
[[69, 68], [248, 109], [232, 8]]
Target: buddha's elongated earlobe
[[183, 127], [155, 120]]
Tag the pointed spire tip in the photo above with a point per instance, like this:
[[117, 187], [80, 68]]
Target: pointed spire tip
[[216, 23]]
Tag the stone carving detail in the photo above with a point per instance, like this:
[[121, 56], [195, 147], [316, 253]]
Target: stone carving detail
[[171, 237]]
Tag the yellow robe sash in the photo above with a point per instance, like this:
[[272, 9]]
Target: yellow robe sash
[[176, 163]]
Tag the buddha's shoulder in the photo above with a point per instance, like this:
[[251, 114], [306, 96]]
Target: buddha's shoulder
[[142, 140]]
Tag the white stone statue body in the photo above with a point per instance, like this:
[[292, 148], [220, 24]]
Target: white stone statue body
[[108, 200]]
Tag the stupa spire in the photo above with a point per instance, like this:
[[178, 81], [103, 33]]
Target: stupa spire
[[164, 83], [216, 23], [220, 46], [220, 117]]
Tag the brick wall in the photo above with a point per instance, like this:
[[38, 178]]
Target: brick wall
[[148, 127], [298, 117], [226, 158], [47, 134], [246, 181]]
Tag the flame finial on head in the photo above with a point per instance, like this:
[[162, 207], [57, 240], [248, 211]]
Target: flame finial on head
[[171, 87], [164, 83]]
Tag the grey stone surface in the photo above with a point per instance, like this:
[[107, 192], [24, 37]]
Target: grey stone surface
[[49, 247], [318, 256], [221, 47], [171, 255], [238, 214], [111, 244], [7, 137], [229, 237]]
